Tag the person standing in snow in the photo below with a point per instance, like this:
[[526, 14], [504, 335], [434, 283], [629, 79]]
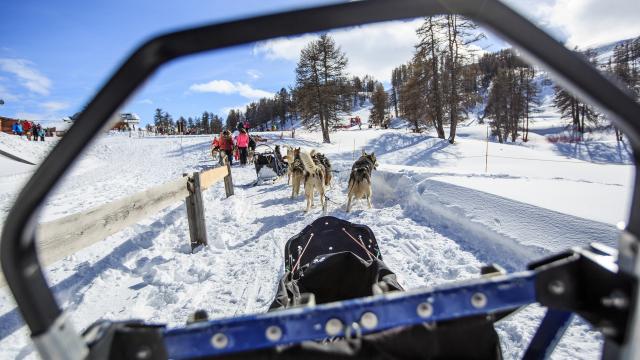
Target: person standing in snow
[[226, 145], [243, 144], [16, 128], [41, 132], [26, 128], [234, 136]]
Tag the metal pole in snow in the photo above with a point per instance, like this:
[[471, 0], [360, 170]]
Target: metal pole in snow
[[486, 152]]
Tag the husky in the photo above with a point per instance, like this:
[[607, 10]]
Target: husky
[[289, 159], [250, 156], [296, 171], [319, 158], [314, 179], [219, 155], [360, 178]]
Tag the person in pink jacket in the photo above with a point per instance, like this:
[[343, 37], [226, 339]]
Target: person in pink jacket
[[243, 144]]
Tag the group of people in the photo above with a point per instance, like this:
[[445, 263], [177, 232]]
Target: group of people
[[235, 145], [32, 130]]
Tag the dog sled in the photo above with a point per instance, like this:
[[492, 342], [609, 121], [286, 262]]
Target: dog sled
[[368, 315], [269, 163]]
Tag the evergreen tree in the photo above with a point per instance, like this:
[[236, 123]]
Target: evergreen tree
[[190, 124], [232, 119], [380, 102], [320, 84], [460, 33], [205, 123], [216, 124], [157, 118], [429, 48]]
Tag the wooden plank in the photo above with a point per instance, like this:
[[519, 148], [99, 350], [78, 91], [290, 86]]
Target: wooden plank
[[65, 236], [210, 177]]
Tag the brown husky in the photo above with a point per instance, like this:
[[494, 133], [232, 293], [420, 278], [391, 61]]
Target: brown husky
[[296, 169], [314, 179], [360, 179]]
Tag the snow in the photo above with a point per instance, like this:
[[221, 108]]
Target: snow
[[437, 213]]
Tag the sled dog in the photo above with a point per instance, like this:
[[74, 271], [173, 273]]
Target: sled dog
[[250, 155], [360, 178], [319, 158], [220, 156], [289, 159], [314, 179], [297, 172]]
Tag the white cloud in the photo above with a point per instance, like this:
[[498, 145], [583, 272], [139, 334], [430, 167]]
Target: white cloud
[[254, 74], [283, 48], [53, 106], [595, 22], [371, 49], [227, 87], [583, 23], [6, 95], [145, 102], [24, 115], [224, 111], [28, 77]]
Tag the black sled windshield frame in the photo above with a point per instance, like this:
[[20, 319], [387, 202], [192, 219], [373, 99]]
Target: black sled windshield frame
[[20, 264]]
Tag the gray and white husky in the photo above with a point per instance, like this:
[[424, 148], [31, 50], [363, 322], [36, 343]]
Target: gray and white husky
[[360, 179]]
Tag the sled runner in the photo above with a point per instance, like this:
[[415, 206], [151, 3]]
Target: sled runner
[[269, 166], [597, 283]]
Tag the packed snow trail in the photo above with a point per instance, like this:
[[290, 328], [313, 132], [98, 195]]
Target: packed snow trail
[[430, 232]]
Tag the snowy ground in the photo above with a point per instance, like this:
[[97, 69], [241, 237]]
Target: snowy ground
[[437, 214]]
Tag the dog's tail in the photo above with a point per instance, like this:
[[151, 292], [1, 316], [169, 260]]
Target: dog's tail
[[307, 161]]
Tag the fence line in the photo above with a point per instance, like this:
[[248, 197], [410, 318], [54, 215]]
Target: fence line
[[65, 236]]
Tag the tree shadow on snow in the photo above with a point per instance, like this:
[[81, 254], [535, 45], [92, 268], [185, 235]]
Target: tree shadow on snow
[[597, 152], [387, 143]]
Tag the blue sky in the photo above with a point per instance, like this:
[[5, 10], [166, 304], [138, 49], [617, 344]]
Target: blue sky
[[55, 55]]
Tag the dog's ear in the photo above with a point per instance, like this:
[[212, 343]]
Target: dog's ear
[[364, 153]]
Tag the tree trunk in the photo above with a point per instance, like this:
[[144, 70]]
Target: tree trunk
[[436, 85], [453, 101]]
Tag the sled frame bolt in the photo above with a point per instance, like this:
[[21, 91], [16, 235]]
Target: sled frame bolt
[[424, 310], [478, 300], [219, 341], [333, 327], [369, 320], [273, 333]]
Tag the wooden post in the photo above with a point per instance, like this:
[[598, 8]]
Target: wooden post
[[195, 212], [228, 181]]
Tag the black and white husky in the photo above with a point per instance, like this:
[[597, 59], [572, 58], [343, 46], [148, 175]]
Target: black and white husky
[[360, 179]]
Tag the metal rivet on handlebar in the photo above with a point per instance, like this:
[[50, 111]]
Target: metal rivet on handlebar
[[143, 353], [557, 287], [424, 310], [219, 341], [273, 333], [369, 320], [333, 327], [479, 300]]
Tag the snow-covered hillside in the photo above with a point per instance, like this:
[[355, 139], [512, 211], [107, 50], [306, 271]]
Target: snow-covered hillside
[[438, 214]]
